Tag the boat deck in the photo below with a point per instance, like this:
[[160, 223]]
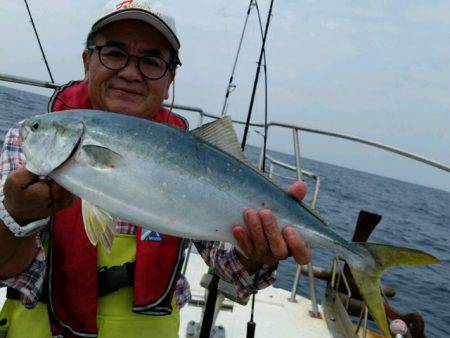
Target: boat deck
[[275, 315]]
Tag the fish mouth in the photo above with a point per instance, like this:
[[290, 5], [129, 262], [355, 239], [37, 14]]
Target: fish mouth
[[23, 132]]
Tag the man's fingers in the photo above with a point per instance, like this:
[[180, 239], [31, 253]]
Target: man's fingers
[[243, 241], [19, 179], [49, 193], [298, 190], [60, 196], [256, 232], [276, 241], [36, 192], [24, 177], [297, 246]]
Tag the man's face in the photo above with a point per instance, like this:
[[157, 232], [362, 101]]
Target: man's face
[[127, 90]]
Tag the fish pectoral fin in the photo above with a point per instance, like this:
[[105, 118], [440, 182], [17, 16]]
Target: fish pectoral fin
[[99, 225], [221, 134], [101, 157]]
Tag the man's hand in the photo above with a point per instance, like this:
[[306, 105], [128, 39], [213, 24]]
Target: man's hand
[[265, 242], [29, 198]]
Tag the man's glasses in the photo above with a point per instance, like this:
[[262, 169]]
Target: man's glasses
[[116, 58]]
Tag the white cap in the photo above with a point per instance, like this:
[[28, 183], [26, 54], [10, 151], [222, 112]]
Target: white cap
[[139, 10]]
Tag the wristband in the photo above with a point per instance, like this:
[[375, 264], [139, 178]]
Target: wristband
[[16, 229]]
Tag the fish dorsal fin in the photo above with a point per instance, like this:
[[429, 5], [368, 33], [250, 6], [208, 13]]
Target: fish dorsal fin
[[221, 134], [98, 224]]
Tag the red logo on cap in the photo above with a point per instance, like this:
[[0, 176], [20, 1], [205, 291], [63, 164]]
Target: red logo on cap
[[123, 4]]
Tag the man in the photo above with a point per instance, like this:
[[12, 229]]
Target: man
[[129, 61]]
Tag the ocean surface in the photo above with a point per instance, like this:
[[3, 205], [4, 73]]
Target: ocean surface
[[413, 216]]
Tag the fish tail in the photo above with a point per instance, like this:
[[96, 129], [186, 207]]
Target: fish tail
[[367, 275]]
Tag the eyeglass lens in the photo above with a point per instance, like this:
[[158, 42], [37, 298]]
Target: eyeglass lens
[[116, 58]]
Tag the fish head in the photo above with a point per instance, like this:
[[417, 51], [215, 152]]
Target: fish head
[[49, 141]]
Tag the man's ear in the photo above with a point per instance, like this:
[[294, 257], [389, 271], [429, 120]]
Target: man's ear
[[170, 81], [86, 60]]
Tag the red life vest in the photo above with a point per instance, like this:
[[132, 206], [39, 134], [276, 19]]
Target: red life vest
[[72, 274]]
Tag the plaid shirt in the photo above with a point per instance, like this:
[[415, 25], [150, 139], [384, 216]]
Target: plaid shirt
[[221, 256]]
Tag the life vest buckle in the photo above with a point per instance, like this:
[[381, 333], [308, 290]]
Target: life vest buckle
[[115, 277]]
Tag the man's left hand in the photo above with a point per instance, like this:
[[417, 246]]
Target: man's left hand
[[264, 242]]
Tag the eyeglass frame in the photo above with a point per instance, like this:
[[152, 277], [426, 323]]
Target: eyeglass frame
[[169, 65]]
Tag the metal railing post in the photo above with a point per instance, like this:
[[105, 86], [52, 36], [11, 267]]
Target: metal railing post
[[312, 288], [315, 309], [271, 170], [315, 193], [295, 284], [200, 120], [366, 315], [297, 154], [261, 152], [186, 260], [312, 291]]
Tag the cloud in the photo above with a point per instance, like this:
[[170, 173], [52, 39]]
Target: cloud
[[428, 12]]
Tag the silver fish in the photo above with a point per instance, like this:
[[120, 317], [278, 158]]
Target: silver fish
[[188, 184]]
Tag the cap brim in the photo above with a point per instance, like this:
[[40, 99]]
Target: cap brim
[[141, 15]]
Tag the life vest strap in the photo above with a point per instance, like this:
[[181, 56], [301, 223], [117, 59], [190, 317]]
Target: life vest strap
[[109, 279], [15, 294], [114, 278]]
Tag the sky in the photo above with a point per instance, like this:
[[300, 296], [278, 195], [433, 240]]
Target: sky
[[373, 69]]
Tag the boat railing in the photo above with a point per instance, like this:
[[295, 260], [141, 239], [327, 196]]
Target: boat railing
[[295, 128], [338, 275], [27, 81]]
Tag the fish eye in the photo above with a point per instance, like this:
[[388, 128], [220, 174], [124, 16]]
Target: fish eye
[[35, 126]]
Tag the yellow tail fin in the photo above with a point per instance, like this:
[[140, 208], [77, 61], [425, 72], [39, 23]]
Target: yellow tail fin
[[367, 276]]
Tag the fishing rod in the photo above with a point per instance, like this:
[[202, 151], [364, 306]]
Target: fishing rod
[[213, 286], [255, 84], [231, 86], [39, 42], [266, 95], [251, 324]]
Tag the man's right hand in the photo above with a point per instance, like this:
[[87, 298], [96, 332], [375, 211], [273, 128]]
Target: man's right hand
[[28, 198]]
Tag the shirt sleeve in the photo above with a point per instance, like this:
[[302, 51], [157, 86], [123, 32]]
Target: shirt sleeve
[[182, 292], [30, 282], [12, 156], [223, 258]]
